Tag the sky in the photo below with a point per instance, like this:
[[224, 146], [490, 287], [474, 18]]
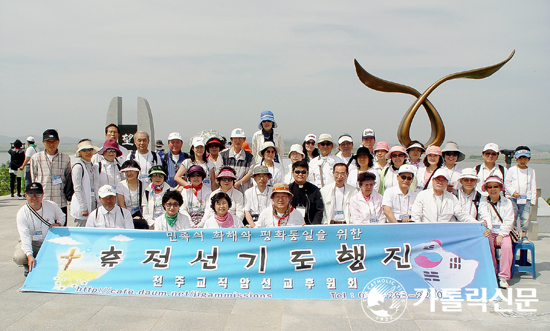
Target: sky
[[218, 64]]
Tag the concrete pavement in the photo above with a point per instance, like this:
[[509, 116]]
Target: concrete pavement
[[42, 311]]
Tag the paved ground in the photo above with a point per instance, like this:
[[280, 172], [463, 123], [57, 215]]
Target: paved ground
[[41, 311]]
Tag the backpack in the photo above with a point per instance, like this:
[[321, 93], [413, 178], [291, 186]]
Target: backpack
[[68, 189], [500, 167], [155, 156]]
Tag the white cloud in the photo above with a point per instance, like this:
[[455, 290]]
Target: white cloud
[[64, 241], [121, 237]]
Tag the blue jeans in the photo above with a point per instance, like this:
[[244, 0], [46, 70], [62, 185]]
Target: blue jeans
[[522, 213]]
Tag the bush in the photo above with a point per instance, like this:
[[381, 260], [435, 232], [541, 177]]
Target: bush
[[4, 179]]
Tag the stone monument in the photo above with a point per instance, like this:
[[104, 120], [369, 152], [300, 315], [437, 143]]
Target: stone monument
[[127, 131]]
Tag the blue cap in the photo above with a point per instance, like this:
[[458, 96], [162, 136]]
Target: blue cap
[[267, 115], [522, 152]]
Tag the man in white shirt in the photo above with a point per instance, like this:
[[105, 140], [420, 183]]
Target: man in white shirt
[[143, 156], [467, 195], [337, 196], [281, 213], [258, 197], [345, 145], [321, 166], [489, 167], [239, 159], [437, 204], [172, 160], [109, 215], [398, 200], [33, 223]]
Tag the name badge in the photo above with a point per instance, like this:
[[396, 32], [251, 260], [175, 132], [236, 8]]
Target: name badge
[[142, 177], [206, 181], [56, 180], [37, 236], [496, 228], [302, 211], [374, 220], [522, 200], [338, 215]]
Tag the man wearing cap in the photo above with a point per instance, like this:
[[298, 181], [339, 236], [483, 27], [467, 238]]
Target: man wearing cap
[[467, 195], [33, 223], [398, 200], [112, 132], [489, 167], [437, 204], [307, 198], [296, 154], [345, 145], [172, 160], [143, 156], [52, 169], [322, 165], [29, 152], [109, 215], [266, 133], [369, 139], [281, 213], [337, 197], [257, 198], [239, 159]]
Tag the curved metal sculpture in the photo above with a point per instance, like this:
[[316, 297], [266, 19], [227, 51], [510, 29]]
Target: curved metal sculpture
[[437, 127]]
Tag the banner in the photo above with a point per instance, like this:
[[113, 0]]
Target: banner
[[313, 262]]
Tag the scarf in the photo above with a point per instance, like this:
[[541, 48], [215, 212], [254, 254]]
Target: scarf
[[281, 219], [171, 220], [367, 199], [268, 136], [33, 145], [225, 221], [157, 189], [195, 188]]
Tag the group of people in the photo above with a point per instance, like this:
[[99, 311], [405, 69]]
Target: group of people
[[219, 185]]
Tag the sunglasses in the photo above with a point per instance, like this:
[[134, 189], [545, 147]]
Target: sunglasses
[[324, 143], [406, 177], [172, 205], [311, 142], [226, 179], [300, 172], [87, 150], [34, 195], [491, 187], [110, 150], [491, 153], [398, 155], [451, 153]]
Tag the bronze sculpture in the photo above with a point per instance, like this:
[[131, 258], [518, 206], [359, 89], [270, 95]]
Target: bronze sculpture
[[437, 127]]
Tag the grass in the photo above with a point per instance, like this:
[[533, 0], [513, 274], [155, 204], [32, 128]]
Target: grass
[[5, 180]]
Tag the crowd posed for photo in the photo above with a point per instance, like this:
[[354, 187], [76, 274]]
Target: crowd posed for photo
[[232, 185]]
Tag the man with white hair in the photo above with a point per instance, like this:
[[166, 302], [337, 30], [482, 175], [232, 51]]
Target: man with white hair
[[109, 215], [172, 160], [321, 166], [436, 204], [145, 158]]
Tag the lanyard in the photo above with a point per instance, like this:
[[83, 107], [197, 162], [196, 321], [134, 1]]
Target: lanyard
[[264, 197]]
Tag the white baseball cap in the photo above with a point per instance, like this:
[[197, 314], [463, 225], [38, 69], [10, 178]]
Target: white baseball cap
[[441, 173], [174, 135], [238, 133], [197, 141], [30, 139], [311, 136], [368, 133], [491, 147], [345, 137], [106, 190], [406, 168]]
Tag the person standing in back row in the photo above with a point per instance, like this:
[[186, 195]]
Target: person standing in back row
[[52, 169], [31, 150], [266, 133], [17, 158]]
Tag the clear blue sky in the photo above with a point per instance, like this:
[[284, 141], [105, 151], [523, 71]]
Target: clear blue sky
[[217, 64]]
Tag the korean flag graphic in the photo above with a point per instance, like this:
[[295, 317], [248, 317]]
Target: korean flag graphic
[[440, 268]]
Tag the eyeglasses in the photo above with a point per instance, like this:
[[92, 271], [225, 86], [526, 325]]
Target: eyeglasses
[[398, 155], [406, 177], [451, 153], [172, 205], [195, 174], [110, 150], [311, 142], [300, 172], [491, 187], [325, 143], [87, 150], [490, 153], [34, 195], [226, 179], [468, 180], [157, 175]]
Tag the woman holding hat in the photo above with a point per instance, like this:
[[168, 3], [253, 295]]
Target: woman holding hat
[[108, 167], [195, 195], [221, 216], [84, 176], [415, 149], [213, 147], [197, 157], [364, 162], [226, 179], [388, 176], [266, 125], [498, 212], [452, 155], [309, 147], [366, 205], [151, 201], [129, 192], [380, 150], [172, 219], [432, 162], [268, 153]]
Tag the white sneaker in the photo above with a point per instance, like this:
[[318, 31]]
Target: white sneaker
[[502, 282]]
